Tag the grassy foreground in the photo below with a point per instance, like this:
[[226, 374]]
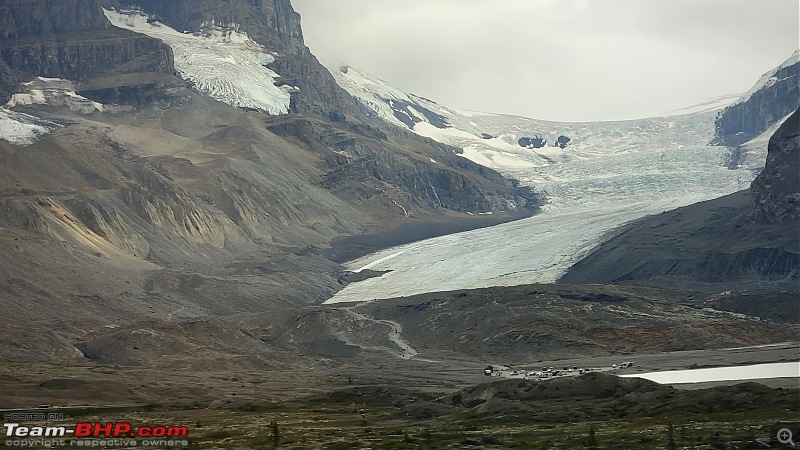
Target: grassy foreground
[[593, 411]]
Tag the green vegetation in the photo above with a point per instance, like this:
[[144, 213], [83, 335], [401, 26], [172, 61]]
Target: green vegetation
[[276, 434], [510, 415], [591, 440]]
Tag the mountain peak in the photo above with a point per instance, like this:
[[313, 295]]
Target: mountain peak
[[774, 96], [272, 23]]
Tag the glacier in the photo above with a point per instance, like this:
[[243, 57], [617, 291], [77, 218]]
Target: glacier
[[611, 173], [220, 61]]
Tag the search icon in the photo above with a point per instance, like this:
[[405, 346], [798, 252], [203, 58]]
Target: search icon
[[785, 436]]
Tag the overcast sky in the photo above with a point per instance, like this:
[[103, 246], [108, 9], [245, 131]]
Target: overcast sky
[[556, 59]]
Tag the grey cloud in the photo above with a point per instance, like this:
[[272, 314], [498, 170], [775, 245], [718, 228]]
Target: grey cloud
[[556, 59]]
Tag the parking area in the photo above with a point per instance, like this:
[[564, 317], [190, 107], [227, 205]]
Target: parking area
[[550, 372]]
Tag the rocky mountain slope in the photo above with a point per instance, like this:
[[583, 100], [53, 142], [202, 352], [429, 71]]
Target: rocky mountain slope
[[271, 23], [770, 100], [69, 39], [747, 240], [152, 228], [136, 69], [131, 192], [538, 322]]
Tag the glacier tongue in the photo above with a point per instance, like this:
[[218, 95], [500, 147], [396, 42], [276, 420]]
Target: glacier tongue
[[538, 249], [222, 63], [609, 173]]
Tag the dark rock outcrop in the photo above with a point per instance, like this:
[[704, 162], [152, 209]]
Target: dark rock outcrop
[[776, 191], [534, 142], [404, 114], [22, 19], [72, 39], [562, 142], [774, 100], [272, 23]]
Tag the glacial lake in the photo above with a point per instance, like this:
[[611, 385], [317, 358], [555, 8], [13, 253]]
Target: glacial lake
[[732, 373]]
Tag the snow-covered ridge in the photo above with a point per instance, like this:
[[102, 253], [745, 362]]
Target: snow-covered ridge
[[375, 94], [493, 140], [597, 152], [219, 61], [769, 78]]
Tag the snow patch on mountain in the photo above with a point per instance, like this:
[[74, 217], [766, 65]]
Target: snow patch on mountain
[[373, 93], [54, 92], [22, 129], [387, 102], [220, 61]]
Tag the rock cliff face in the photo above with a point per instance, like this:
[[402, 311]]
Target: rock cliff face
[[775, 96], [273, 24], [36, 19], [72, 39], [776, 191], [364, 166], [184, 205]]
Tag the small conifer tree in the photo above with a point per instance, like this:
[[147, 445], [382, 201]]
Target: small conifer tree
[[591, 441], [276, 433]]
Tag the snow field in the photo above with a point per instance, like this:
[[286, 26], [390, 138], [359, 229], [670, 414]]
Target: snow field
[[222, 63]]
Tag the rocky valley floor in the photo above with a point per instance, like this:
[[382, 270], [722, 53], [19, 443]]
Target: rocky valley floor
[[408, 373], [322, 403]]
